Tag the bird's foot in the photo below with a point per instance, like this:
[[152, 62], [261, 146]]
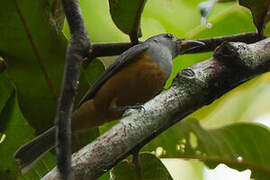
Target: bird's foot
[[124, 108]]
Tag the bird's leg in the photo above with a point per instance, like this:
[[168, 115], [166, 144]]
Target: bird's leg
[[115, 107]]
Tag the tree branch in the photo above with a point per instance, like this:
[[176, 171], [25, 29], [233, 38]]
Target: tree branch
[[78, 48], [113, 49], [212, 43], [194, 87]]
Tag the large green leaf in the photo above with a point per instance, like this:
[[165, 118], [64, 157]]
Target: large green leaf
[[33, 46], [6, 91], [34, 50], [14, 131], [240, 146], [259, 10], [127, 15], [151, 169]]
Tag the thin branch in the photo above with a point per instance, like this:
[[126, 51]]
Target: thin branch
[[113, 49], [212, 43], [78, 48], [109, 49], [194, 87]]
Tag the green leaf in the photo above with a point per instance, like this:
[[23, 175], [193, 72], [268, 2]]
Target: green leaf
[[260, 12], [6, 90], [15, 130], [240, 146], [34, 49], [127, 15], [105, 176], [151, 168], [35, 53], [93, 71], [40, 168]]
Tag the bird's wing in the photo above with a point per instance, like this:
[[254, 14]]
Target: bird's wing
[[121, 61]]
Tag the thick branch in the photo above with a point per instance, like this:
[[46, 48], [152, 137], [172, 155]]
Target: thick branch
[[194, 87], [113, 49], [78, 48]]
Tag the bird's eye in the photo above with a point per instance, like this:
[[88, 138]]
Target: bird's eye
[[170, 36]]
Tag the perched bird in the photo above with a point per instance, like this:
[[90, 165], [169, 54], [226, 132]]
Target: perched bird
[[135, 77]]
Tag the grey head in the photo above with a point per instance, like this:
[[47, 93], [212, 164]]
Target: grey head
[[173, 44], [162, 48]]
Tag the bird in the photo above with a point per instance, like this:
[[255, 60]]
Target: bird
[[136, 76]]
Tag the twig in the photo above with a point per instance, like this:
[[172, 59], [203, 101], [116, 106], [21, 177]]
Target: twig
[[78, 48], [194, 87], [136, 162]]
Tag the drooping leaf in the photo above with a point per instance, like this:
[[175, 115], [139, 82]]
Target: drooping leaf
[[240, 146], [34, 50], [14, 131], [260, 12], [127, 15], [151, 169]]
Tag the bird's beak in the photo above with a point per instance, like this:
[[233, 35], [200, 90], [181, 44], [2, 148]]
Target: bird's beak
[[189, 45]]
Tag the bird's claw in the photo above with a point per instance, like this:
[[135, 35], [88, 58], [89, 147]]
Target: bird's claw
[[124, 108]]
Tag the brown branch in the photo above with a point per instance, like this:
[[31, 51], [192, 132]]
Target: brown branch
[[108, 49], [77, 50], [212, 43], [194, 87], [113, 49]]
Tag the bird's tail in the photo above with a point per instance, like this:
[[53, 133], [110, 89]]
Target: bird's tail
[[28, 154]]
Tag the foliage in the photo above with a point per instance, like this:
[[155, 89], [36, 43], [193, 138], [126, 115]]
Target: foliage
[[33, 46]]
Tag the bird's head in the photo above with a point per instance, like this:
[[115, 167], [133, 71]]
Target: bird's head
[[176, 45]]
